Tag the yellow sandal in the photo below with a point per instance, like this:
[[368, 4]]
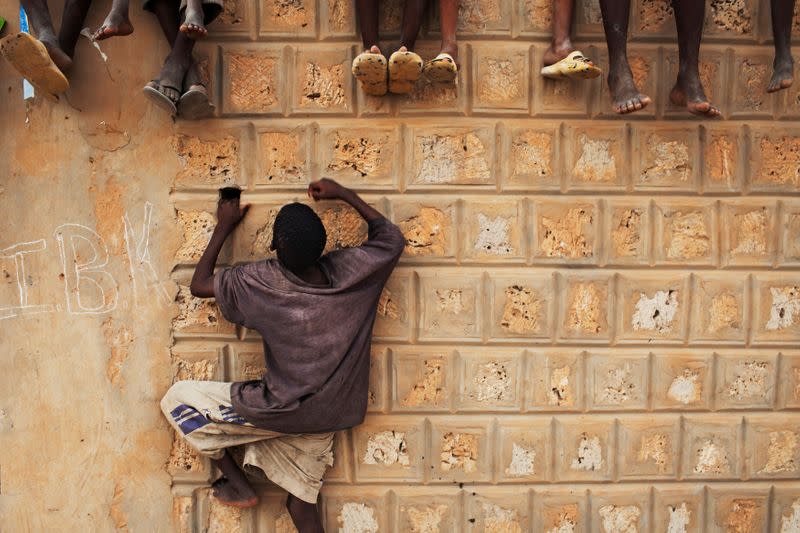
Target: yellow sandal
[[574, 66]]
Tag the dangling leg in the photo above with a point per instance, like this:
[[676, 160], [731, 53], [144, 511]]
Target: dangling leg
[[783, 66], [369, 67], [42, 26], [232, 488], [625, 96], [560, 45], [304, 515], [688, 90]]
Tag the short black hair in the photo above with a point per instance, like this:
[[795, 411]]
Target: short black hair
[[298, 236]]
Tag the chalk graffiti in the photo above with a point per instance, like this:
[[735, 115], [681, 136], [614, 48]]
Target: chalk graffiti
[[89, 286]]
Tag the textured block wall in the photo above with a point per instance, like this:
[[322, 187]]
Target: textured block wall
[[595, 324]]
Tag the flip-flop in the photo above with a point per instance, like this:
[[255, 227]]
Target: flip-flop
[[160, 99], [574, 66], [442, 69], [370, 70], [404, 71], [195, 104], [30, 58]]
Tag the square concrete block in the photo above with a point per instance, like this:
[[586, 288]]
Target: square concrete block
[[776, 313], [237, 19], [422, 380], [208, 161], [480, 18], [749, 98], [494, 231], [713, 69], [720, 308], [645, 67], [785, 508], [617, 382], [460, 450], [557, 98], [586, 304], [390, 17], [429, 227], [344, 226], [450, 156], [723, 159], [711, 448], [185, 464], [745, 381], [490, 380], [378, 393], [557, 379], [686, 233], [525, 450], [648, 447], [248, 364], [451, 306], [588, 18], [653, 18], [342, 468], [561, 510], [596, 158], [212, 515], [390, 449], [422, 510], [500, 78], [682, 381], [521, 304], [789, 228], [619, 509], [627, 232], [199, 316], [395, 308], [322, 82], [585, 448], [772, 447], [498, 509], [284, 157], [566, 231], [252, 80], [789, 381], [743, 509], [724, 22], [668, 158], [652, 308], [531, 161], [271, 515], [252, 239], [533, 18], [679, 508], [434, 98], [363, 157], [748, 230], [289, 19], [191, 363], [346, 509], [774, 158]]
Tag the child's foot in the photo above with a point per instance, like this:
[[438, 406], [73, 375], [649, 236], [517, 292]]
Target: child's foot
[[236, 496], [117, 23], [194, 102], [369, 68], [556, 52], [62, 60], [404, 70], [688, 92], [31, 59], [625, 97], [782, 75], [165, 91], [193, 25]]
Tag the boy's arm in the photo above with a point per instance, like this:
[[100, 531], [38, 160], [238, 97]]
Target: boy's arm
[[327, 189], [229, 214]]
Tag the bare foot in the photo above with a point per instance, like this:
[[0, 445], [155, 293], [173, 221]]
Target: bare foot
[[116, 24], [193, 25], [782, 75], [236, 496], [556, 52], [625, 97], [688, 92], [54, 50]]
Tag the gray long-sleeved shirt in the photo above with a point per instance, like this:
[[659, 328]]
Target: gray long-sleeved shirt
[[316, 337]]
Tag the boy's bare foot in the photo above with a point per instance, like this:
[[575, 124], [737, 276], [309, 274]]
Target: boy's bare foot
[[625, 97], [193, 25], [556, 52], [165, 91], [782, 75], [688, 92], [234, 495], [54, 50], [194, 102], [117, 23]]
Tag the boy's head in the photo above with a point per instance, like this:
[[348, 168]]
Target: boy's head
[[298, 237]]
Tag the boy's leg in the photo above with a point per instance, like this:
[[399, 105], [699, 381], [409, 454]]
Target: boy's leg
[[783, 66], [367, 15], [412, 22], [232, 488], [72, 23], [448, 16], [42, 26], [560, 45], [304, 515], [688, 90], [625, 96], [116, 22]]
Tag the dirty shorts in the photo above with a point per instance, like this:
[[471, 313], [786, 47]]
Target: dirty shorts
[[201, 412]]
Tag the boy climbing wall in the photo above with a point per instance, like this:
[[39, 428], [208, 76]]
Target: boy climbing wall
[[315, 316]]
